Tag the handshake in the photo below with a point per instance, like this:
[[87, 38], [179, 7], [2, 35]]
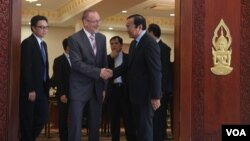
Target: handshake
[[106, 73]]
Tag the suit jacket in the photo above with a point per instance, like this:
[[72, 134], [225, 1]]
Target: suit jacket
[[123, 76], [33, 68], [143, 70], [61, 70], [166, 67], [86, 66]]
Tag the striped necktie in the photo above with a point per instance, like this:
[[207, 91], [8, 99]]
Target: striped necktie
[[93, 43]]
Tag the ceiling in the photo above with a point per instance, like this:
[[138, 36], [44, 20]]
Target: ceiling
[[67, 13]]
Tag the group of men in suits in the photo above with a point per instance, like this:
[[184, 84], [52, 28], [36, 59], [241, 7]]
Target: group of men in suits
[[136, 77]]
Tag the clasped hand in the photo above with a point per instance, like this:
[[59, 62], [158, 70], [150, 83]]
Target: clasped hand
[[106, 73]]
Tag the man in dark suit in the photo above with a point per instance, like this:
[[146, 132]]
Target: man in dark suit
[[34, 81], [160, 115], [144, 76], [119, 103], [88, 76], [61, 72]]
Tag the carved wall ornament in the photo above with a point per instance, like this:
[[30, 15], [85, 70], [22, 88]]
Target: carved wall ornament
[[221, 50]]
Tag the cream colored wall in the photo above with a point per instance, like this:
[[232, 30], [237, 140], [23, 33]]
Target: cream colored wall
[[167, 38], [53, 39], [56, 35]]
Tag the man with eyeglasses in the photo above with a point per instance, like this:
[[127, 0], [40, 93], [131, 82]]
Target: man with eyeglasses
[[34, 85], [88, 78]]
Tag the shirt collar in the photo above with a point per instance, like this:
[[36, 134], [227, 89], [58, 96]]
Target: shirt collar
[[140, 36], [158, 40], [87, 33], [66, 54], [38, 39]]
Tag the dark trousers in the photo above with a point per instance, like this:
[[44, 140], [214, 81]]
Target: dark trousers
[[171, 110], [143, 114], [160, 120], [33, 116], [63, 109], [121, 107]]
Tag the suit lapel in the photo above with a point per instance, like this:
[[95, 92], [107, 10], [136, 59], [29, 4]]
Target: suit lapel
[[38, 49], [88, 45], [132, 51], [66, 61]]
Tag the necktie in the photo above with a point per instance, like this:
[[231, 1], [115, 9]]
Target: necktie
[[93, 43], [44, 60], [43, 52]]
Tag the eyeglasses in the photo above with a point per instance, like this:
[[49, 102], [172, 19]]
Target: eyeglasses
[[43, 27], [94, 21]]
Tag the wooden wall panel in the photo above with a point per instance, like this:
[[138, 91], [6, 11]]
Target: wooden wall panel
[[245, 62], [10, 32], [221, 102], [206, 101], [198, 70], [4, 67]]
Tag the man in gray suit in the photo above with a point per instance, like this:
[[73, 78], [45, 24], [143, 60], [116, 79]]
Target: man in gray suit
[[88, 76]]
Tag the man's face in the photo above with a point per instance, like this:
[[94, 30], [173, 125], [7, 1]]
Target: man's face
[[91, 23], [41, 29], [133, 32], [115, 45]]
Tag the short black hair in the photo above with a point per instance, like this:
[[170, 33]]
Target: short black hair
[[138, 20], [155, 29], [34, 20], [65, 43], [117, 37]]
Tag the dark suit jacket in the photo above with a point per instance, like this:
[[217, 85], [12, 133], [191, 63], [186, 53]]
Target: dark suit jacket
[[166, 67], [86, 67], [143, 70], [32, 69], [61, 70], [123, 76]]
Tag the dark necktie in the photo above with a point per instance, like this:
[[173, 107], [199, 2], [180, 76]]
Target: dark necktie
[[44, 59], [43, 52], [133, 47]]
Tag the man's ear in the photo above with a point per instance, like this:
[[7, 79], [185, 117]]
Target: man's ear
[[140, 26]]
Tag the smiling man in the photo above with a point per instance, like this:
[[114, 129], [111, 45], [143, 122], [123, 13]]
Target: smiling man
[[88, 76]]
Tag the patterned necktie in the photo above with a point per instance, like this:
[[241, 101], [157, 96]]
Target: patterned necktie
[[93, 43]]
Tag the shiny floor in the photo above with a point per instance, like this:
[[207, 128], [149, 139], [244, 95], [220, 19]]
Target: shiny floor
[[103, 136], [55, 137]]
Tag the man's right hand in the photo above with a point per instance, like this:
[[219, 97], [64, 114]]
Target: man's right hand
[[106, 73], [32, 96], [64, 99]]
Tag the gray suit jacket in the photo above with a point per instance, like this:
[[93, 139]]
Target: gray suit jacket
[[85, 70]]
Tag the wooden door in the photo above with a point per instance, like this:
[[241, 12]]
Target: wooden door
[[10, 35], [203, 100]]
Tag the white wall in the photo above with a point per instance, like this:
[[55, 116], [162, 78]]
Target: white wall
[[167, 38], [56, 35], [53, 39]]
